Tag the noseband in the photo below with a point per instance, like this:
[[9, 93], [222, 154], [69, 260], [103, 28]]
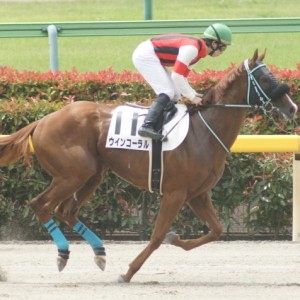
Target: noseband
[[253, 86]]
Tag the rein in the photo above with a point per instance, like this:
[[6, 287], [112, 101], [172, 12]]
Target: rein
[[252, 83], [213, 133], [227, 105]]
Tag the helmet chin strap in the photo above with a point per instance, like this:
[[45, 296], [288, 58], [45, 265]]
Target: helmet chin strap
[[218, 41], [213, 51]]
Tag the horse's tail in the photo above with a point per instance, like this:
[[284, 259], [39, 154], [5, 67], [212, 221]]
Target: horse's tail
[[17, 145]]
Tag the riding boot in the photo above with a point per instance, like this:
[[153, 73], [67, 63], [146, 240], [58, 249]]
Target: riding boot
[[154, 115]]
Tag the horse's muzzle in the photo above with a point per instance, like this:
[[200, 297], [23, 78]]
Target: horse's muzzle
[[279, 91]]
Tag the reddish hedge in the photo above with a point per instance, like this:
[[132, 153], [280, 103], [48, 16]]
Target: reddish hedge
[[107, 84], [26, 96]]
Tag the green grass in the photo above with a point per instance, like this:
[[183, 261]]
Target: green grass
[[97, 53]]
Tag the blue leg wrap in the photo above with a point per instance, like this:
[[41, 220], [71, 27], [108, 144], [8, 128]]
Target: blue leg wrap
[[88, 235], [58, 237]]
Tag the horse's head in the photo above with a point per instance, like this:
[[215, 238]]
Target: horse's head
[[263, 88]]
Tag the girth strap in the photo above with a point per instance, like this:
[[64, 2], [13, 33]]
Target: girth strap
[[155, 170]]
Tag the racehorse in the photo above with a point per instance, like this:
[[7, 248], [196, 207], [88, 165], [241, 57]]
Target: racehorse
[[70, 144]]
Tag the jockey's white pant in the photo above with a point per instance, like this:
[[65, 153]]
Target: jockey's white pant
[[157, 76]]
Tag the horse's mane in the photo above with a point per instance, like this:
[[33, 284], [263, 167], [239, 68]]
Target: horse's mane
[[218, 91]]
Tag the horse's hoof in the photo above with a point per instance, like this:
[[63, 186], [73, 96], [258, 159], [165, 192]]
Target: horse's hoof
[[170, 237], [100, 261], [61, 263], [121, 279]]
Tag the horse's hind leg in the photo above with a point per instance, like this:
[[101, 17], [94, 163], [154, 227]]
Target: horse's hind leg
[[203, 208], [68, 212], [42, 205]]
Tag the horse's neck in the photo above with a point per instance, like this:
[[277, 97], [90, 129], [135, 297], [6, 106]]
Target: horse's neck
[[225, 122]]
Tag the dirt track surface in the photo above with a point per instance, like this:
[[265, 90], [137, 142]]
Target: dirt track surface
[[220, 270]]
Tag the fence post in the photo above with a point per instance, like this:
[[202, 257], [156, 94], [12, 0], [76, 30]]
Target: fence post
[[148, 9], [296, 197], [53, 44]]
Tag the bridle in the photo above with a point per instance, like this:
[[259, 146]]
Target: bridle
[[261, 98], [253, 86]]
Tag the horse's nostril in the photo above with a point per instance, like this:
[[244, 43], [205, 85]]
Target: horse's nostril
[[293, 110]]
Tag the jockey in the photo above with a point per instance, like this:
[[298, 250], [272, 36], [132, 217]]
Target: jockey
[[182, 52]]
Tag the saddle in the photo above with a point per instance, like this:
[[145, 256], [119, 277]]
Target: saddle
[[169, 112]]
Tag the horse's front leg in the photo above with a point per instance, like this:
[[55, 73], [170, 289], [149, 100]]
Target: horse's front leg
[[170, 206], [203, 208]]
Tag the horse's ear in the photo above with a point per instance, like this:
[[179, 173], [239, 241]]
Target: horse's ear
[[262, 55], [253, 60]]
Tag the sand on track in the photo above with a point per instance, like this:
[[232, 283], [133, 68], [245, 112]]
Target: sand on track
[[220, 270]]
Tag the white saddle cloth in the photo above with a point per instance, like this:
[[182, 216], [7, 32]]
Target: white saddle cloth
[[126, 121]]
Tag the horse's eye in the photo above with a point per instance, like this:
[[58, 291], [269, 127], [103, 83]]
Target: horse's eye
[[264, 81]]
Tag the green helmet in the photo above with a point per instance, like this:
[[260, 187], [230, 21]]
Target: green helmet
[[219, 32]]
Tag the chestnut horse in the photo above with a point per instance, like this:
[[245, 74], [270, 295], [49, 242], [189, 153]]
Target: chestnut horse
[[70, 145]]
